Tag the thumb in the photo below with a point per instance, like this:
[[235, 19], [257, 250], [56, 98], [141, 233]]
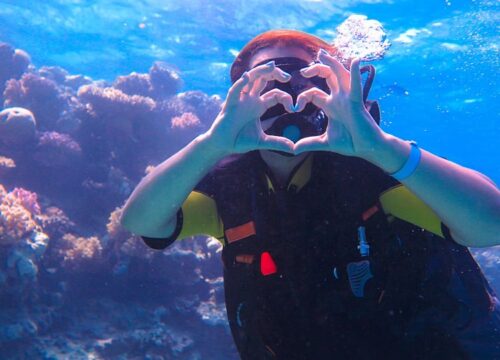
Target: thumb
[[312, 143], [272, 142]]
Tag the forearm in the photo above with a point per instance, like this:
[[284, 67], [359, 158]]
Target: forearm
[[465, 200], [153, 204]]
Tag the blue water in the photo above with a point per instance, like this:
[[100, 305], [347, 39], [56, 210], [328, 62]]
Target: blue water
[[437, 84], [450, 69]]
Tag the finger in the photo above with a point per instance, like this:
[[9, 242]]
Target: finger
[[233, 95], [272, 142], [323, 71], [313, 143], [356, 86], [262, 81], [313, 95], [275, 97], [340, 71]]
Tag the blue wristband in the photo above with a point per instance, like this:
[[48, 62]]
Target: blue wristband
[[410, 165]]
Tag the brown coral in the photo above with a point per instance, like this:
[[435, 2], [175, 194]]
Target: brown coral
[[77, 252]]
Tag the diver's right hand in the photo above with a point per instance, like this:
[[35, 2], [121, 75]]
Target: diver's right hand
[[237, 128]]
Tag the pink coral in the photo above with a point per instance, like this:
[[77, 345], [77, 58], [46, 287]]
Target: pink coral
[[186, 120], [28, 199], [78, 252], [16, 220]]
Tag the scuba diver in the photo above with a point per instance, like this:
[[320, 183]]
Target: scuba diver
[[339, 239]]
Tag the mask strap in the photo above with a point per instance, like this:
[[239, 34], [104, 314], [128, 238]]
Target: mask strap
[[369, 80]]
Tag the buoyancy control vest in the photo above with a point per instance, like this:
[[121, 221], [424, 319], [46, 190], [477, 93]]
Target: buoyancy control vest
[[322, 271]]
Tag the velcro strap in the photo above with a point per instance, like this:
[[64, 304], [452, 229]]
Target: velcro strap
[[240, 232], [245, 259], [370, 212]]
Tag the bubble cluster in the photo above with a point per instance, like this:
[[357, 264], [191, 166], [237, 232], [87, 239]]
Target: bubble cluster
[[359, 37]]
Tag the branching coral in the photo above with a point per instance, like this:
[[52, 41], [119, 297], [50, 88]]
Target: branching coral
[[122, 241], [17, 214], [186, 120], [110, 102], [55, 222], [134, 84], [76, 252], [165, 80], [57, 150]]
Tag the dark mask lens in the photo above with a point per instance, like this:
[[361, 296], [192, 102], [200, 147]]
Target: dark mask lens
[[274, 111]]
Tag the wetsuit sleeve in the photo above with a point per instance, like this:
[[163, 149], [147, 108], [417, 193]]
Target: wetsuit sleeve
[[401, 203], [198, 215]]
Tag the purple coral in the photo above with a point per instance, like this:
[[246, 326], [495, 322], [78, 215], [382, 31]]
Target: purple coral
[[54, 73], [109, 102], [13, 63], [165, 80], [17, 127], [40, 95], [134, 84], [57, 150]]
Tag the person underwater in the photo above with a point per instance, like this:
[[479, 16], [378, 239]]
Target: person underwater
[[339, 239]]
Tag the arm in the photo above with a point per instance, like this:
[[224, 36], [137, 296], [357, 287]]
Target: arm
[[150, 211], [466, 201]]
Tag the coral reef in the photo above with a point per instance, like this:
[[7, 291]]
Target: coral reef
[[82, 147]]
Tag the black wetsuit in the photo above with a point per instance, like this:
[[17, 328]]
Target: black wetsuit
[[313, 295]]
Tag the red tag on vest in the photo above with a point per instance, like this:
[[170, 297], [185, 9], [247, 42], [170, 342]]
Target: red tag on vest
[[240, 232], [267, 265]]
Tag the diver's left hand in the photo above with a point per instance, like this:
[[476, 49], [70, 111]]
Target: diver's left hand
[[351, 129]]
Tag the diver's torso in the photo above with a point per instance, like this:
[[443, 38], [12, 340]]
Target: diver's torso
[[318, 296]]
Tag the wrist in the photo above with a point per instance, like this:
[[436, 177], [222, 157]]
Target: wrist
[[212, 145], [390, 154]]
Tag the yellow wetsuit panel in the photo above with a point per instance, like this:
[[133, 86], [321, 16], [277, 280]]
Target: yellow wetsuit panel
[[403, 204], [200, 216]]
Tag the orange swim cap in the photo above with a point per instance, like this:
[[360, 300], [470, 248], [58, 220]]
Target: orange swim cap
[[277, 38]]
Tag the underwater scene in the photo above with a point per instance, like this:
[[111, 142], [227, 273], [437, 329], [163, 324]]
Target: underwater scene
[[94, 95]]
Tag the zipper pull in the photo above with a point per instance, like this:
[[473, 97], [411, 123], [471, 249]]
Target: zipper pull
[[363, 247]]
